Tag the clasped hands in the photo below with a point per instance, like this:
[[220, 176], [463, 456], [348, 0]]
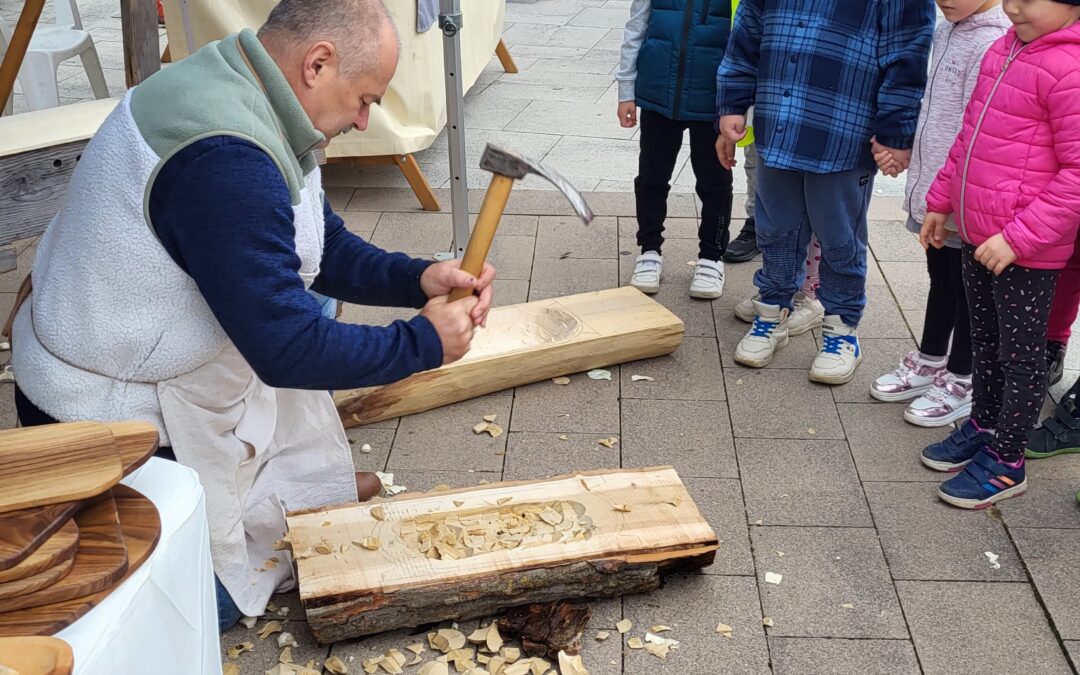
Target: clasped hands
[[455, 322]]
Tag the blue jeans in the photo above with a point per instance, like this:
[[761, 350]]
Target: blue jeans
[[227, 611], [792, 206]]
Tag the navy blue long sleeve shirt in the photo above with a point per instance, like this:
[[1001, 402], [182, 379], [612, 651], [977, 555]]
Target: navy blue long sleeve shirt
[[222, 210]]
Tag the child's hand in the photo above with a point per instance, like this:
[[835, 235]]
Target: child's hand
[[732, 130], [995, 254], [628, 114], [891, 161], [933, 230]]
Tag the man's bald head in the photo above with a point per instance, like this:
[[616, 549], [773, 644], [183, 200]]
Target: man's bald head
[[338, 56]]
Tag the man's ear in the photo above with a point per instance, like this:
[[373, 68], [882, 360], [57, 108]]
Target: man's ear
[[318, 57]]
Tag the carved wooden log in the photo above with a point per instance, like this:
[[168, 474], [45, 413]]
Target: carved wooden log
[[528, 343], [372, 567]]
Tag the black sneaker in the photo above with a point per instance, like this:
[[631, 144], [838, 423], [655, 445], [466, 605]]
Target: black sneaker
[[744, 247], [1058, 434], [1055, 361]]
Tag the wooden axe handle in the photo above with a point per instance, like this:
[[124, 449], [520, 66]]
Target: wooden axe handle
[[484, 231]]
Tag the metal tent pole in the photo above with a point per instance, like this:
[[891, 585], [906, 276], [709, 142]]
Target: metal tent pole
[[450, 23]]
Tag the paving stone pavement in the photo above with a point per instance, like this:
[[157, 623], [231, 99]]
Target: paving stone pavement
[[820, 485]]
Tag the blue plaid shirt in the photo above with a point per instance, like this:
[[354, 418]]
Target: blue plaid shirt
[[825, 76]]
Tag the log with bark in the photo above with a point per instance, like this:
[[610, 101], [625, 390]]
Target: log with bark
[[474, 552]]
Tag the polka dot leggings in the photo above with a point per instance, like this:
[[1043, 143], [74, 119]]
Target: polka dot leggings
[[1008, 316], [813, 264]]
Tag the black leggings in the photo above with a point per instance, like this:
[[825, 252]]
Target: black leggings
[[947, 311], [1008, 314], [661, 140]]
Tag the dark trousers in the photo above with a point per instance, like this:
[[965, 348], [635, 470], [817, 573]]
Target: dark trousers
[[947, 310], [1008, 315], [661, 140]]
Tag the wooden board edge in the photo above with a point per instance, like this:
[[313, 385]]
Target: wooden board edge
[[41, 536]]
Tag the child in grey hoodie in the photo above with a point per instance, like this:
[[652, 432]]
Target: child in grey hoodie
[[937, 378]]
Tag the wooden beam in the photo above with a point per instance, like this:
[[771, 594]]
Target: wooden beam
[[505, 58], [32, 188], [16, 50], [166, 56], [142, 44], [460, 554], [528, 343]]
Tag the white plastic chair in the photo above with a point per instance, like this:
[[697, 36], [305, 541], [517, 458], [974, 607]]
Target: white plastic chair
[[50, 46]]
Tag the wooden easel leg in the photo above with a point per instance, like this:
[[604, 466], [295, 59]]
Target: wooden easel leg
[[166, 57], [418, 182], [505, 59]]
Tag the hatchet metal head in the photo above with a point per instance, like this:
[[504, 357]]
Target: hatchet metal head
[[512, 165]]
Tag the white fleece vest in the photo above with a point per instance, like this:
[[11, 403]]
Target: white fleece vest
[[136, 317]]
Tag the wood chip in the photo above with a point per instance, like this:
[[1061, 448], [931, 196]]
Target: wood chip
[[503, 500], [767, 622], [370, 543], [434, 668], [344, 549], [660, 651], [600, 374], [452, 639], [249, 621], [286, 639], [811, 430], [493, 430], [848, 605], [323, 549], [378, 513], [660, 629], [563, 437], [489, 418], [651, 638], [226, 669], [571, 665], [641, 378], [562, 381], [336, 666], [366, 448], [235, 651], [519, 668], [510, 654], [608, 442], [285, 656], [602, 635], [635, 643], [724, 629], [622, 508], [327, 523], [396, 656], [416, 648], [624, 626], [459, 502], [773, 578], [269, 628]]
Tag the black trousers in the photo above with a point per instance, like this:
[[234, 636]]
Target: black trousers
[[1008, 315], [947, 311], [661, 140]]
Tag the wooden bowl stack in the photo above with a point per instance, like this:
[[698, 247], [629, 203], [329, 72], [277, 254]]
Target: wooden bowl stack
[[69, 531]]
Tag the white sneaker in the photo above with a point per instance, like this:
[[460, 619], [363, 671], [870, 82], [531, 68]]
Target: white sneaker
[[911, 379], [840, 353], [708, 283], [806, 315], [768, 334], [647, 270], [948, 400]]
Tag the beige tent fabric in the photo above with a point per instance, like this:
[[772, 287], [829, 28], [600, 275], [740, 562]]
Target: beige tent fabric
[[413, 112]]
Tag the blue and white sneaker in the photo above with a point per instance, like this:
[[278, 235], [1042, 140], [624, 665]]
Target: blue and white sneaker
[[953, 453], [984, 481], [768, 334], [840, 353]]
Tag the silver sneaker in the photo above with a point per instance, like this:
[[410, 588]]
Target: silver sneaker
[[806, 315], [948, 400], [911, 379], [647, 271]]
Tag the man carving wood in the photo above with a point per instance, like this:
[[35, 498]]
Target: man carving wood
[[174, 286]]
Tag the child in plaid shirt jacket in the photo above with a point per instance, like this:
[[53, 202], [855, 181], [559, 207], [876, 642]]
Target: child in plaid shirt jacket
[[829, 81]]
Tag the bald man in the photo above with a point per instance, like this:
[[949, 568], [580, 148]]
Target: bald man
[[174, 286]]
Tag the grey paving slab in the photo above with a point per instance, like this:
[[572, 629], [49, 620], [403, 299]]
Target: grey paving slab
[[422, 480], [890, 241], [823, 569], [401, 200], [697, 315], [809, 483], [674, 228], [880, 356], [815, 656], [10, 282], [1053, 560], [354, 652], [692, 373], [380, 442], [882, 318], [508, 89], [443, 439], [924, 538], [885, 207], [692, 436], [360, 222], [583, 406], [553, 277], [588, 65], [874, 276], [885, 447], [541, 35], [600, 158], [738, 285], [601, 16], [532, 455], [513, 226], [510, 291], [375, 316], [720, 502], [339, 196], [576, 119], [512, 256], [960, 627], [1073, 648], [622, 204], [8, 416], [487, 110], [781, 404], [915, 319], [568, 237], [420, 234], [909, 283], [693, 606], [1050, 500], [535, 146]]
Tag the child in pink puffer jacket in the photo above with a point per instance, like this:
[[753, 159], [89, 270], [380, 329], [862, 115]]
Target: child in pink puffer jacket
[[1012, 181]]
